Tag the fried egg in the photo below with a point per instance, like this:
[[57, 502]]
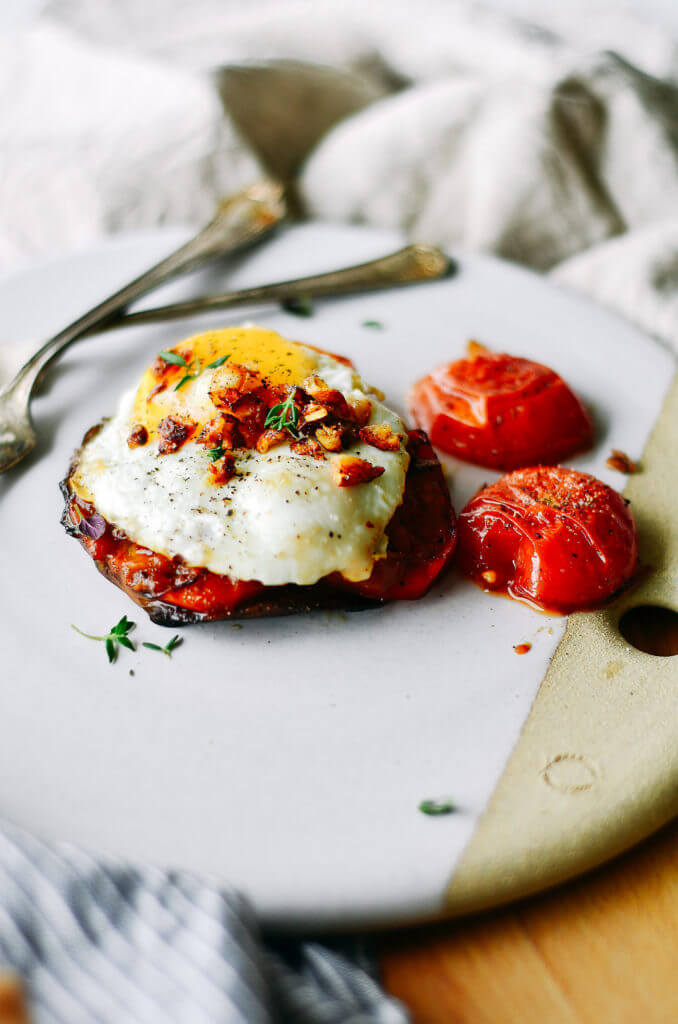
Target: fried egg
[[281, 518]]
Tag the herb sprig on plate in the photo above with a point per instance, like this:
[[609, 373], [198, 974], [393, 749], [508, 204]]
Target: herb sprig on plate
[[116, 637], [436, 807], [300, 306], [168, 648]]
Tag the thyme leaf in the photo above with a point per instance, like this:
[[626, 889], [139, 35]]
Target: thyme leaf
[[435, 807], [168, 648], [302, 306], [218, 362], [173, 357], [214, 454], [193, 370], [284, 416], [115, 638]]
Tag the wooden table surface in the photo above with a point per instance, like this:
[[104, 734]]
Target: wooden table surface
[[600, 950]]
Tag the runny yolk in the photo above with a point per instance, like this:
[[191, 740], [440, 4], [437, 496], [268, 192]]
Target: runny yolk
[[278, 360]]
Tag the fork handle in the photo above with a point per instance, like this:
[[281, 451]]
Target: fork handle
[[239, 221], [413, 263]]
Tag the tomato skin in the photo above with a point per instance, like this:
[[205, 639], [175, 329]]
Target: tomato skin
[[555, 538], [501, 411]]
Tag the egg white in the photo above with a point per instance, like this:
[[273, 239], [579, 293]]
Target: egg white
[[281, 519]]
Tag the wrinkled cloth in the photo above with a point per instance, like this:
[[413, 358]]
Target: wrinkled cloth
[[553, 142], [97, 940]]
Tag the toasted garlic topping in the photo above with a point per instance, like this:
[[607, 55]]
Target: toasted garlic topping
[[349, 470]]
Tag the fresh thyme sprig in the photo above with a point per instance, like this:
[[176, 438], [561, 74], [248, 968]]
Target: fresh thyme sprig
[[193, 370], [284, 416], [117, 637], [168, 648], [301, 306], [214, 454], [434, 807], [173, 357], [218, 362]]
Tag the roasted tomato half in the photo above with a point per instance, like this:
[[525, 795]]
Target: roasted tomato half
[[501, 411], [422, 537], [558, 539]]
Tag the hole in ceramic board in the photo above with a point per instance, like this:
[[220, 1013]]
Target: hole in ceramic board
[[651, 628]]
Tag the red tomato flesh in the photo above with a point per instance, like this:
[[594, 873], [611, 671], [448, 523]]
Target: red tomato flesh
[[501, 411], [212, 593], [558, 539]]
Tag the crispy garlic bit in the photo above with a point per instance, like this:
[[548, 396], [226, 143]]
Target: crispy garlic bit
[[255, 411], [350, 470], [314, 413], [138, 436], [475, 348], [313, 419], [222, 431], [309, 446], [362, 410], [231, 382], [331, 437], [271, 439], [621, 462], [174, 433], [222, 470], [380, 436], [328, 397]]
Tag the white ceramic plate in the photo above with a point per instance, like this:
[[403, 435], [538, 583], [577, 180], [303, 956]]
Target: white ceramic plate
[[286, 757]]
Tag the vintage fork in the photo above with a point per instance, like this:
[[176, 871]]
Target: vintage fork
[[238, 221]]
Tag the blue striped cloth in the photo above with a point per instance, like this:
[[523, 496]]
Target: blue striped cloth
[[101, 941]]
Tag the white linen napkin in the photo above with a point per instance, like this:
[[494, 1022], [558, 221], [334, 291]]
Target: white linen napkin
[[540, 141], [107, 942]]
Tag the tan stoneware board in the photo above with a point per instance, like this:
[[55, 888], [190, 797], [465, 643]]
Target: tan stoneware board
[[595, 768]]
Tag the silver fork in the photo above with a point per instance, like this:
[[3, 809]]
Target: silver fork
[[405, 266], [238, 221]]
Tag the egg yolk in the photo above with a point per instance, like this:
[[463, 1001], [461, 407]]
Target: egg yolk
[[279, 361]]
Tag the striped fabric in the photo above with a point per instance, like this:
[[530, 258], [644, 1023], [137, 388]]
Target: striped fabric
[[109, 943]]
